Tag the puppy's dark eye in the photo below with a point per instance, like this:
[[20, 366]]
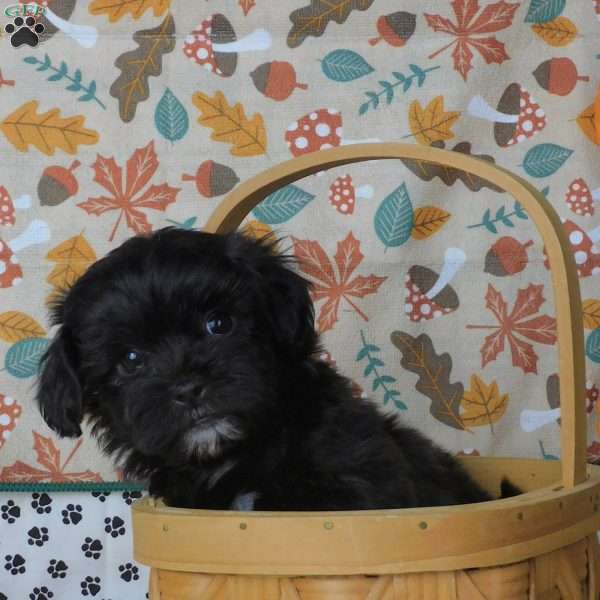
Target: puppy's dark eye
[[133, 360], [218, 324]]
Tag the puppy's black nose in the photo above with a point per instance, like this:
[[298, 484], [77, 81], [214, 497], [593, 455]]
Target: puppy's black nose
[[187, 392]]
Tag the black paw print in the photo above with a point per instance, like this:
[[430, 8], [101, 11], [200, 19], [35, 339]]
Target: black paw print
[[129, 572], [15, 564], [101, 495], [3, 597], [72, 514], [10, 512], [41, 503], [114, 526], [57, 568], [24, 31], [41, 593], [129, 497], [37, 536], [92, 548], [90, 586]]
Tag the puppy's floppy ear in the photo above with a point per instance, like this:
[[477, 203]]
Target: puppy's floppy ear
[[285, 294], [58, 390]]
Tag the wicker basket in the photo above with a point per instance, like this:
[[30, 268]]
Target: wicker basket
[[540, 545]]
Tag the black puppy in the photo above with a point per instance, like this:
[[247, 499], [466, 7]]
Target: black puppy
[[194, 356]]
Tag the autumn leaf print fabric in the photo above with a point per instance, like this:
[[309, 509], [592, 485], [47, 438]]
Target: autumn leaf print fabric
[[431, 287]]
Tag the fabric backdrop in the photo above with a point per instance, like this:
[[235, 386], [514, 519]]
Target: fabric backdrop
[[137, 114]]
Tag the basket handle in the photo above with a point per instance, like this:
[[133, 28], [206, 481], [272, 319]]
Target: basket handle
[[234, 208]]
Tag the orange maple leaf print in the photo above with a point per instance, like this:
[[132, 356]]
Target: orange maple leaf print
[[48, 456], [331, 286], [541, 329], [468, 31], [140, 168]]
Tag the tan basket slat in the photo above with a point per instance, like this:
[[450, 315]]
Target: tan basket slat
[[234, 208], [593, 567], [381, 587], [252, 588], [288, 589], [510, 582]]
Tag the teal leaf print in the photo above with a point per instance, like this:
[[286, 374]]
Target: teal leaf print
[[282, 205], [171, 118], [187, 224], [592, 346], [62, 72], [345, 65], [545, 159], [501, 216], [394, 218], [23, 358], [367, 352], [388, 88], [542, 11]]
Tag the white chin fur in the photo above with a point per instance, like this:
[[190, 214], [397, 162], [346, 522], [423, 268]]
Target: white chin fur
[[208, 440]]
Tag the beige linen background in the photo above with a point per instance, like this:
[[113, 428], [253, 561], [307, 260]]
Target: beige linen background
[[150, 151]]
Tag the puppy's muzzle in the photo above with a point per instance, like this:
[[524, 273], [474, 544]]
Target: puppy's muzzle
[[189, 394]]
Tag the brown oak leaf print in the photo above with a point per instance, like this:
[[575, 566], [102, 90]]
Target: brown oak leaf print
[[332, 286], [49, 458], [517, 325], [127, 195], [469, 29]]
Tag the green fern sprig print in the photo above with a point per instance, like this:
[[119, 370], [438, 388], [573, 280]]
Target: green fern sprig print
[[374, 363], [389, 88], [61, 72]]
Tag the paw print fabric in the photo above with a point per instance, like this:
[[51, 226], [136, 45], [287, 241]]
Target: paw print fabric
[[68, 546]]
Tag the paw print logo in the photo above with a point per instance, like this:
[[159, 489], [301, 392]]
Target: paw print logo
[[10, 512], [129, 572], [37, 536], [15, 565], [72, 514], [41, 593], [101, 495], [92, 548], [58, 569], [24, 31], [129, 497], [114, 526], [41, 503], [90, 586]]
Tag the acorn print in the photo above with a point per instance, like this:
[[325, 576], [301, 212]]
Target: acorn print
[[276, 80], [343, 194], [395, 28], [558, 76], [518, 117], [428, 295], [214, 45], [507, 257], [213, 179], [57, 184], [580, 199], [318, 130]]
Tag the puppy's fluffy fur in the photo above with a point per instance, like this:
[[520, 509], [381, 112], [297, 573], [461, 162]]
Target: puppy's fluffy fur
[[194, 356]]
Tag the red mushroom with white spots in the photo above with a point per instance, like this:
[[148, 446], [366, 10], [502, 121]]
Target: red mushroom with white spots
[[214, 45], [7, 208], [318, 130], [37, 232], [343, 194], [428, 295], [10, 411], [517, 118], [586, 249], [580, 198]]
